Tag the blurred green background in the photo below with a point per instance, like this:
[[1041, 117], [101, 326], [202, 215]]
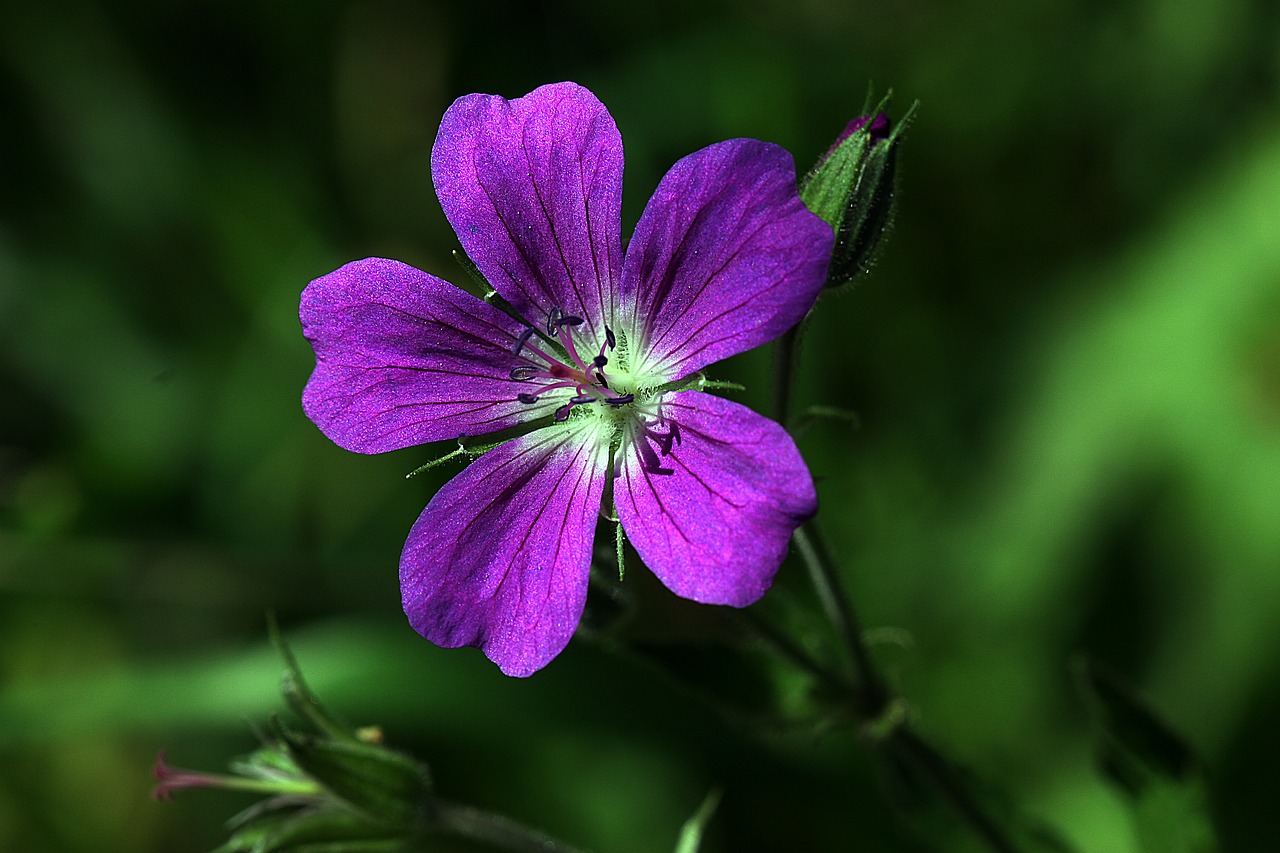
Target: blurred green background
[[1066, 366]]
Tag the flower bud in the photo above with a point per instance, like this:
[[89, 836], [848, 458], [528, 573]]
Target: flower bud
[[852, 189], [369, 778], [323, 784]]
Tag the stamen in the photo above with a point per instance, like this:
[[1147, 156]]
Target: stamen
[[566, 338], [600, 360], [522, 340], [540, 354], [588, 378], [555, 385]]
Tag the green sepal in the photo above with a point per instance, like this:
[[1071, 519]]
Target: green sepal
[[720, 385], [698, 382], [389, 787], [266, 762], [813, 414], [271, 770], [326, 829], [1151, 763], [619, 544], [477, 278], [299, 696], [459, 451]]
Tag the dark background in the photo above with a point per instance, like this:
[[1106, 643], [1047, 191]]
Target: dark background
[[1066, 365]]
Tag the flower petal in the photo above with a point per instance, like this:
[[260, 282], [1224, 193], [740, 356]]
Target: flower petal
[[533, 188], [404, 358], [725, 257], [714, 519], [500, 557]]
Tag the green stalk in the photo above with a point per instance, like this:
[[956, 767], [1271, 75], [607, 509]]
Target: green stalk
[[870, 693], [494, 830]]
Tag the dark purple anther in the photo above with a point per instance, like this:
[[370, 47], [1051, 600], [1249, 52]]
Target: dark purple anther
[[599, 361], [553, 321], [569, 320], [621, 401], [562, 413], [526, 398], [600, 378], [609, 338], [524, 373], [521, 341]]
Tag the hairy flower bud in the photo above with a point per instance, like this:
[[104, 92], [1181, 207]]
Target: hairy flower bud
[[852, 189], [323, 784]]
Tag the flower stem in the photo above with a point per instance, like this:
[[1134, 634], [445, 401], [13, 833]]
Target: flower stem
[[788, 648], [495, 830], [871, 695], [944, 775], [869, 686], [784, 372]]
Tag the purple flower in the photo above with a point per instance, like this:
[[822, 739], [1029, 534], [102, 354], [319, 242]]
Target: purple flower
[[878, 131], [604, 363]]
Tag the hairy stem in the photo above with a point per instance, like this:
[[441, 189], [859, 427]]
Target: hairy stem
[[822, 572], [495, 830], [945, 777], [785, 353], [788, 648], [869, 686]]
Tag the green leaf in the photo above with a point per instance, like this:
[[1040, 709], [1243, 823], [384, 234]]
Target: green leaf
[[696, 826], [1151, 764]]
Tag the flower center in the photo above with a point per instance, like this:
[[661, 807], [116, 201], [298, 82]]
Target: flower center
[[587, 380]]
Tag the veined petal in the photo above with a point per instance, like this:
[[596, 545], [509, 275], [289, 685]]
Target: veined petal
[[725, 258], [713, 520], [500, 557], [533, 188], [404, 358]]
